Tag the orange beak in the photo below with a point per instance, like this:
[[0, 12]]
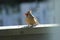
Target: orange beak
[[26, 14]]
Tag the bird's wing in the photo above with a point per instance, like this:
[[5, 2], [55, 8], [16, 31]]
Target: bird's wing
[[36, 20]]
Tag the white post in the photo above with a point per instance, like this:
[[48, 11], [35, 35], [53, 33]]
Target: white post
[[4, 16], [57, 11], [10, 17]]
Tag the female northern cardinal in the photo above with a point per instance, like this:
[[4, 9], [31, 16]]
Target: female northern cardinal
[[30, 19]]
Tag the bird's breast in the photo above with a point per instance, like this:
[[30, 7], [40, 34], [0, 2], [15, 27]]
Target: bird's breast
[[30, 21]]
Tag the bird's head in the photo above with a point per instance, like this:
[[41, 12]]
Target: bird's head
[[28, 13]]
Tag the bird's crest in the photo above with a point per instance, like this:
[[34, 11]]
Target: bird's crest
[[30, 11]]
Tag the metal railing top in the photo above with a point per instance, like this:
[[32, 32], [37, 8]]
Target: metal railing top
[[25, 26]]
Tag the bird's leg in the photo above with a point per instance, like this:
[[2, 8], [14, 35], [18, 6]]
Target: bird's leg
[[31, 26], [28, 25]]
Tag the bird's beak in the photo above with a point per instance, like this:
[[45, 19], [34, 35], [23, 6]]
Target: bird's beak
[[26, 14]]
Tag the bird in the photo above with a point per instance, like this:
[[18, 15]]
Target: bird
[[30, 19]]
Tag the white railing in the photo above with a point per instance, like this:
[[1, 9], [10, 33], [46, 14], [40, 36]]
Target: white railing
[[24, 26]]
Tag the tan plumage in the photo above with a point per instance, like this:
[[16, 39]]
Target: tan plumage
[[30, 19]]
